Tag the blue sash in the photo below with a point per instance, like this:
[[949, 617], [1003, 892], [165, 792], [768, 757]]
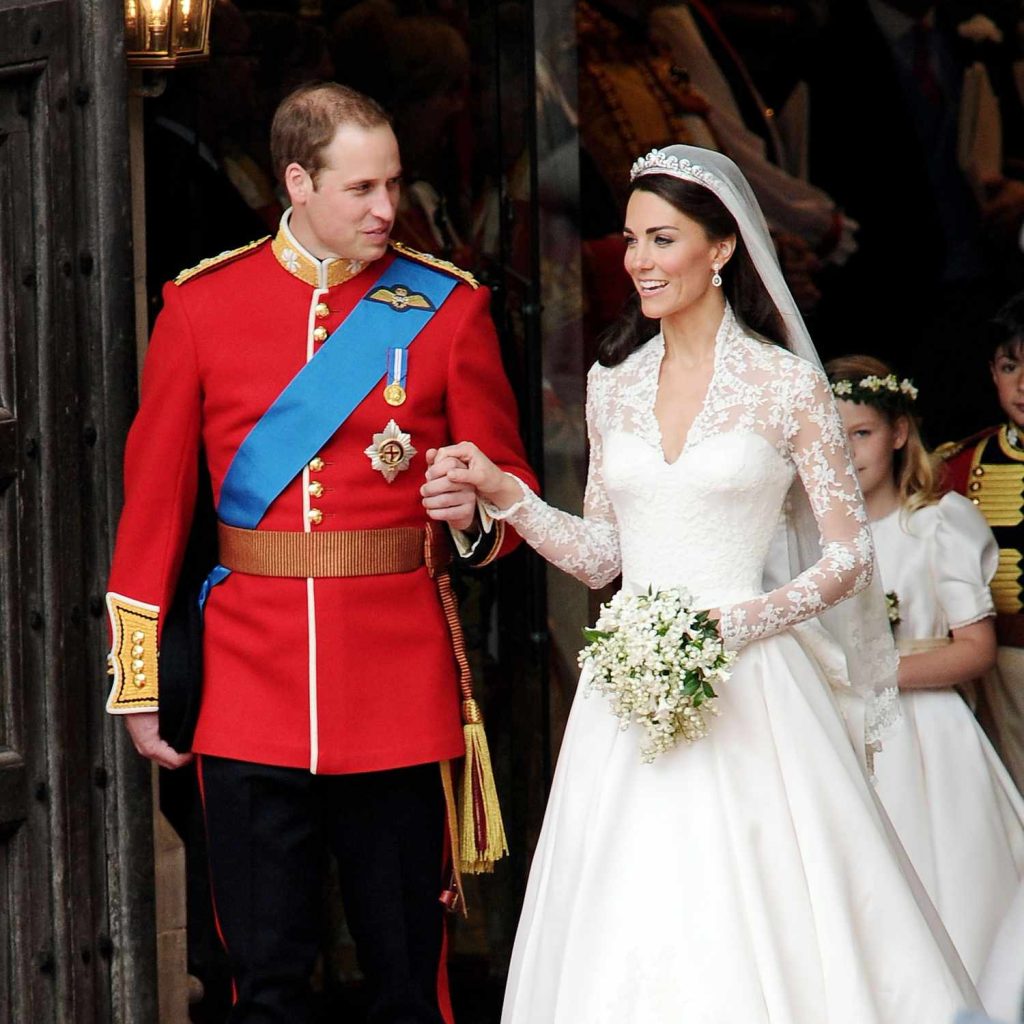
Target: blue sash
[[324, 393]]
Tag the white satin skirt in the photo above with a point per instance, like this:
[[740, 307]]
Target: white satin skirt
[[748, 878]]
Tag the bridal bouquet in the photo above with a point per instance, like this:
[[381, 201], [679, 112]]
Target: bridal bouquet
[[656, 659]]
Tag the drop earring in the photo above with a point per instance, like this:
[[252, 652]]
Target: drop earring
[[717, 279]]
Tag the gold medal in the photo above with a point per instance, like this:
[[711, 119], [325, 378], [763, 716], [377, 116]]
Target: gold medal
[[394, 393], [391, 451]]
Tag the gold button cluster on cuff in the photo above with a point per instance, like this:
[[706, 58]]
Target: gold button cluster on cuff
[[315, 516], [138, 665], [316, 489], [322, 310], [316, 464], [319, 333], [134, 654]]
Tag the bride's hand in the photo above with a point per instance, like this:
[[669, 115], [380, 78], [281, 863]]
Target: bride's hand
[[477, 470]]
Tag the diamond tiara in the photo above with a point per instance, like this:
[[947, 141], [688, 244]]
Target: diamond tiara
[[658, 162]]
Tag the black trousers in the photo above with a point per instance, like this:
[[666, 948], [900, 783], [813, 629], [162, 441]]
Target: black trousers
[[268, 829]]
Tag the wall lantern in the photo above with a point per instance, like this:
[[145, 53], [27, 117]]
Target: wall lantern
[[166, 33]]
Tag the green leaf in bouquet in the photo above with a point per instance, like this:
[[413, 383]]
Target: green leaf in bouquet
[[709, 690], [590, 635]]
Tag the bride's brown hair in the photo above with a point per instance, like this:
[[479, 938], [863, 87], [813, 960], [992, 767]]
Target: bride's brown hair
[[740, 281], [916, 471]]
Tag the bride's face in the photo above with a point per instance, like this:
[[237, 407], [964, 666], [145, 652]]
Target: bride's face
[[668, 255], [874, 439]]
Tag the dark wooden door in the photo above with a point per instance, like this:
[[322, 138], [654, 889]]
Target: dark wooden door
[[38, 559], [70, 936]]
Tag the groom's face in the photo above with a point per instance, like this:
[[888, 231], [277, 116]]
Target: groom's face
[[347, 207]]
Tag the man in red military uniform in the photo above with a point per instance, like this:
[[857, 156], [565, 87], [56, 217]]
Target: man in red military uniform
[[989, 469], [330, 688]]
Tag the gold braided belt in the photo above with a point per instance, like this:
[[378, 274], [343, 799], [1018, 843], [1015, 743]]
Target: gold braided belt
[[334, 552]]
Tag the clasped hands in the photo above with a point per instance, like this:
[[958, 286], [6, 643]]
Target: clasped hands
[[459, 474]]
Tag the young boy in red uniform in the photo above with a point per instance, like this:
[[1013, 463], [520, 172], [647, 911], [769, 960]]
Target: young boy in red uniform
[[314, 372], [989, 469]]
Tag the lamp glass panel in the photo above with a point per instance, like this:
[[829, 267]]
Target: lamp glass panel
[[190, 20]]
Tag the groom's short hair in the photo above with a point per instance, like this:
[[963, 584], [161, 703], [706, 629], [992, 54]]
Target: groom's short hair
[[307, 118]]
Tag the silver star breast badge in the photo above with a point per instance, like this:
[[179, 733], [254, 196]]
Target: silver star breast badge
[[391, 451]]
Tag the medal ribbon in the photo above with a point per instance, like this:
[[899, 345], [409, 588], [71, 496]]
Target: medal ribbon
[[397, 366]]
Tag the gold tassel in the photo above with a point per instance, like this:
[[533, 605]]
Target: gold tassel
[[482, 840]]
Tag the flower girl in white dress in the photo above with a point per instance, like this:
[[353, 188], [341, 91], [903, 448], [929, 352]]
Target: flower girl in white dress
[[749, 877], [952, 802]]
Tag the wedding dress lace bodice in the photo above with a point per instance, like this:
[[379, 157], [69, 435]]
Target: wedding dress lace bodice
[[706, 521]]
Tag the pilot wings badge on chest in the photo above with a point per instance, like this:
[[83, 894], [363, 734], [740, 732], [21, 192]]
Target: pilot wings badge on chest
[[391, 451], [400, 298]]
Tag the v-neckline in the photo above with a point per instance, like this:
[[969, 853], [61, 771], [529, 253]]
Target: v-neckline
[[702, 407]]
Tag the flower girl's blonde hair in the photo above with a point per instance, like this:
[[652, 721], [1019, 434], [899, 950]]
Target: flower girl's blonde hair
[[916, 471]]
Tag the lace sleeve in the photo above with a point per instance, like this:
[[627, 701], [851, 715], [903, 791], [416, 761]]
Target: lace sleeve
[[817, 445], [587, 547]]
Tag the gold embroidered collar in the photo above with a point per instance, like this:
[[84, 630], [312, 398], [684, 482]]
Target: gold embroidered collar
[[306, 267], [1011, 442]]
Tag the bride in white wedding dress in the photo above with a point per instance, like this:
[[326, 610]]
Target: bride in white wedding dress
[[750, 876]]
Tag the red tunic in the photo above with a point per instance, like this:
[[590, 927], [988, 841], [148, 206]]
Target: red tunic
[[333, 674], [990, 471]]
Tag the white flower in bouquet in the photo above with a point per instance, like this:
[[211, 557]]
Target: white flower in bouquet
[[657, 660], [892, 608]]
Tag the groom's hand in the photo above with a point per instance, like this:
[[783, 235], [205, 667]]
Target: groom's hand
[[444, 499], [144, 729]]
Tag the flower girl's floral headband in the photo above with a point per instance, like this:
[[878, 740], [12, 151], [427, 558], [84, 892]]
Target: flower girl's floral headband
[[884, 392]]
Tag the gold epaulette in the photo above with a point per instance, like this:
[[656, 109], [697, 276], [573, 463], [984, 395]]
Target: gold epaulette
[[950, 449], [436, 262], [218, 261]]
